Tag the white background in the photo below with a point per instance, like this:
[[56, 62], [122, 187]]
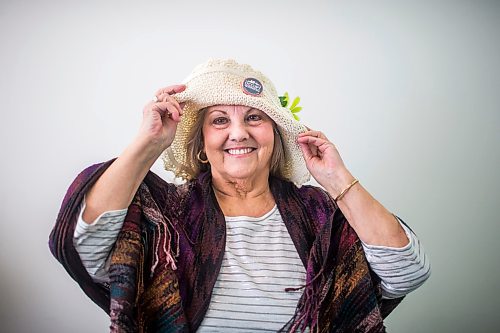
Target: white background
[[408, 91]]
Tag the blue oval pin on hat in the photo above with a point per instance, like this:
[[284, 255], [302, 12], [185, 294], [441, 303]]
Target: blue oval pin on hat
[[252, 86]]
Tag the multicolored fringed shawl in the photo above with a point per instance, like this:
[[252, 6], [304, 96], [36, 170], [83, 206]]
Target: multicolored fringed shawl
[[170, 249]]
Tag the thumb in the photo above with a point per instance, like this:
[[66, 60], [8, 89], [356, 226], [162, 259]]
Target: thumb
[[306, 151], [178, 88]]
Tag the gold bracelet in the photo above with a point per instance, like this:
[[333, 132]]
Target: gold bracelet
[[346, 189]]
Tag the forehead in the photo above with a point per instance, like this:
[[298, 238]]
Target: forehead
[[230, 108]]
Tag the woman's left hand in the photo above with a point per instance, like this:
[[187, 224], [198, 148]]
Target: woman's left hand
[[324, 162]]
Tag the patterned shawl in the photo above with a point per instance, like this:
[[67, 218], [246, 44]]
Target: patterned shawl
[[168, 255]]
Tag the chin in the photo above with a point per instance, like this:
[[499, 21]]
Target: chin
[[240, 174]]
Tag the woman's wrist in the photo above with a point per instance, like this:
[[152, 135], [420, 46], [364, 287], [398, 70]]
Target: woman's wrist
[[339, 181], [147, 148], [143, 152]]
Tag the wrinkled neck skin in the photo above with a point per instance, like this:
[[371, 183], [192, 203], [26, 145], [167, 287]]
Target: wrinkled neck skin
[[243, 196]]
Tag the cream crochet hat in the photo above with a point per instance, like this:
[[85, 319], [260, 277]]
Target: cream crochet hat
[[225, 82]]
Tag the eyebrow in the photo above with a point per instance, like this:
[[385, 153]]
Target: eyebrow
[[222, 111]]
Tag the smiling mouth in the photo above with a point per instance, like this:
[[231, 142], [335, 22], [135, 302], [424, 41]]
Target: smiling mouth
[[240, 151]]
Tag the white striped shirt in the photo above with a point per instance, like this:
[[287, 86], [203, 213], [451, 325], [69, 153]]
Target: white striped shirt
[[259, 262]]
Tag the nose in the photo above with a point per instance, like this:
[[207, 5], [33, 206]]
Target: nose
[[238, 132]]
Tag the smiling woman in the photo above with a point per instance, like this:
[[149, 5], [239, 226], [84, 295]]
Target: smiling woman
[[238, 142], [195, 143], [242, 245]]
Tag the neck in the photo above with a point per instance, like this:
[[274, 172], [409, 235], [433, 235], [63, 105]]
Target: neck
[[249, 197]]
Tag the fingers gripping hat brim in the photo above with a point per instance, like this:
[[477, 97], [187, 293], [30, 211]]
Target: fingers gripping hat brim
[[221, 82]]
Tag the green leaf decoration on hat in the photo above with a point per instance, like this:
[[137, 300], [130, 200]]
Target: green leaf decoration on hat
[[294, 108], [284, 100]]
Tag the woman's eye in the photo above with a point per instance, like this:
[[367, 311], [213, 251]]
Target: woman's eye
[[254, 117], [220, 121]]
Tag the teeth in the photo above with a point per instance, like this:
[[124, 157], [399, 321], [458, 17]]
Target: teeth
[[239, 151]]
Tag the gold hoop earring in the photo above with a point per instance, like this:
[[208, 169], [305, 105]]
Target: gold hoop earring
[[199, 158]]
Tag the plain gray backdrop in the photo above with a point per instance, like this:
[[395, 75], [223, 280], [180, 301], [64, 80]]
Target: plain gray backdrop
[[408, 91]]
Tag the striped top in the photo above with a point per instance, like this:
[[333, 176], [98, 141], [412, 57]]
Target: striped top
[[260, 261]]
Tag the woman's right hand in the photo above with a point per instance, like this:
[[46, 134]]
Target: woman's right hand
[[117, 186], [160, 118]]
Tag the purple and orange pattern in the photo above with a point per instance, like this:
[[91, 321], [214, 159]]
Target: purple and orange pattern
[[169, 252]]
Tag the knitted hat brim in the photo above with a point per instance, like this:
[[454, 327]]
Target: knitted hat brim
[[220, 83]]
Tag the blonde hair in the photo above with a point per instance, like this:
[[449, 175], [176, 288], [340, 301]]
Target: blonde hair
[[195, 145]]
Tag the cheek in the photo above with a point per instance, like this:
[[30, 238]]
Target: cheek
[[267, 141], [213, 139]]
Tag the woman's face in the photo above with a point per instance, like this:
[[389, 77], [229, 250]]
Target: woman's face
[[238, 141]]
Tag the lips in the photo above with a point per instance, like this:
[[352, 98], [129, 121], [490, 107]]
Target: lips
[[239, 151]]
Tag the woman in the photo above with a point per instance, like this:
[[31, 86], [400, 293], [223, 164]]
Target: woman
[[240, 245]]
